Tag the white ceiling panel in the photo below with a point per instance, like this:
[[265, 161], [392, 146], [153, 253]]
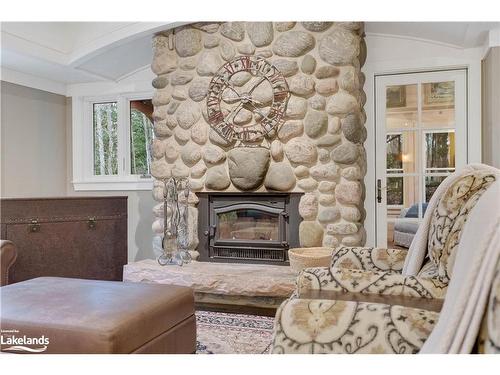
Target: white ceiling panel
[[58, 36], [120, 61], [64, 37], [44, 69]]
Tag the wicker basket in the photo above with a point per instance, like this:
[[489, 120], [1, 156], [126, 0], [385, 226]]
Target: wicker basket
[[304, 257]]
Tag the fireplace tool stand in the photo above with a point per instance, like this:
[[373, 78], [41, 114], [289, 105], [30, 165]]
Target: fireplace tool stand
[[172, 247]]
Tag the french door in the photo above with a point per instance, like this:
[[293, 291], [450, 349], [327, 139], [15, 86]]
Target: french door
[[421, 137]]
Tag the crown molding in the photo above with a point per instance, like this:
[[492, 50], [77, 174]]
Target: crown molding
[[32, 81], [415, 39]]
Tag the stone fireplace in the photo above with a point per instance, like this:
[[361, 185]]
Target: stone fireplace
[[315, 158]]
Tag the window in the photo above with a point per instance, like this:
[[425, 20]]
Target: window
[[112, 142], [141, 136], [105, 138], [394, 166]]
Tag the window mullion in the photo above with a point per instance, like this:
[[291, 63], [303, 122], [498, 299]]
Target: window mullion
[[126, 114], [88, 140], [126, 137], [122, 137]]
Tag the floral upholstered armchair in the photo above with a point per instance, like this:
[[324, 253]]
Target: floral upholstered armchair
[[373, 300]]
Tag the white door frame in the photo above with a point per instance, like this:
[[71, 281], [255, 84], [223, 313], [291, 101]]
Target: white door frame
[[371, 69], [460, 127]]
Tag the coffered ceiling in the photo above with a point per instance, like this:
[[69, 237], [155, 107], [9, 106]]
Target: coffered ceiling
[[78, 52]]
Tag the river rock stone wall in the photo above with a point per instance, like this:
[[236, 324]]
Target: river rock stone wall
[[318, 150]]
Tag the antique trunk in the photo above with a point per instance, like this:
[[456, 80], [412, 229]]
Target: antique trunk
[[66, 237]]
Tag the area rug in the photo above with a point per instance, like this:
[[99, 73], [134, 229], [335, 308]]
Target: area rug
[[223, 333]]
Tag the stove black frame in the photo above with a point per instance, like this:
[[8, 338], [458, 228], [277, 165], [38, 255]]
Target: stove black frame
[[212, 249]]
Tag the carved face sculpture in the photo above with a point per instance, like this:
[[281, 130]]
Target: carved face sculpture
[[247, 99]]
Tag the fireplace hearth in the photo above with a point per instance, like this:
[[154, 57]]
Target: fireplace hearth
[[248, 228]]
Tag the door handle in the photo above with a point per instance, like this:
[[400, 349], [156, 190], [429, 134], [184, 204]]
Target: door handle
[[379, 190], [210, 232]]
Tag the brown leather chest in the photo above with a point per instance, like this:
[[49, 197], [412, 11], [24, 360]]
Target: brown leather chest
[[66, 237]]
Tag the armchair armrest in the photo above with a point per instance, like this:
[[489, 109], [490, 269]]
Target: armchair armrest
[[304, 326], [369, 258], [8, 255], [371, 282]]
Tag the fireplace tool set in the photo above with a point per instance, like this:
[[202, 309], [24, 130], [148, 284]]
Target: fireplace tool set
[[172, 247]]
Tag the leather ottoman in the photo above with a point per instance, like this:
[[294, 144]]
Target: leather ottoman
[[88, 316]]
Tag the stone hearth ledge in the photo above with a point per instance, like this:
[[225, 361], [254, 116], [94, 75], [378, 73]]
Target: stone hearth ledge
[[233, 283]]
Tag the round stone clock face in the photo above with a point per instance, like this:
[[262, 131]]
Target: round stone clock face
[[247, 99]]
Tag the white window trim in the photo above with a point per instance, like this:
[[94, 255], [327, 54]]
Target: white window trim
[[83, 152]]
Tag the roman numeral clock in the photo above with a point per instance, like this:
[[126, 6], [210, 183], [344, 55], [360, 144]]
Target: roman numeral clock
[[247, 99]]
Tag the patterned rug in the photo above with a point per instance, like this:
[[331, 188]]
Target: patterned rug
[[223, 333]]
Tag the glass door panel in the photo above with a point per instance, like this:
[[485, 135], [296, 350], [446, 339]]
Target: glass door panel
[[401, 152], [420, 134], [439, 151], [401, 107], [438, 104], [402, 192], [440, 159], [403, 210], [431, 184]]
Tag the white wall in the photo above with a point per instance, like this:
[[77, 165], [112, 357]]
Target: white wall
[[33, 150], [491, 108], [390, 55], [36, 158]]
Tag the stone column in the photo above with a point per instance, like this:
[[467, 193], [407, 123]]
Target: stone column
[[318, 150]]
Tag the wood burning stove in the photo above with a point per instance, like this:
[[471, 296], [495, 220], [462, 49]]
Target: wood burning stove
[[248, 228]]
